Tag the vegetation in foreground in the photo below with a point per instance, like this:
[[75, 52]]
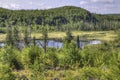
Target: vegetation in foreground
[[101, 62]]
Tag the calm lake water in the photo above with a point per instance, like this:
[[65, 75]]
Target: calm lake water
[[58, 44]]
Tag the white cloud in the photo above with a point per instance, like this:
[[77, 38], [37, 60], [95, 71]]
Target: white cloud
[[14, 6], [48, 7], [108, 1], [30, 3], [37, 3], [83, 2], [10, 6], [40, 4], [5, 6]]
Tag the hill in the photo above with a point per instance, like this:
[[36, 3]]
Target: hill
[[58, 18]]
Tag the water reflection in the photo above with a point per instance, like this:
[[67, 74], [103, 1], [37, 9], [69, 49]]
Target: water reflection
[[2, 44], [57, 44]]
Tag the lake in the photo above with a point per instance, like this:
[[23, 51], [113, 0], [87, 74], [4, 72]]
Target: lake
[[58, 44]]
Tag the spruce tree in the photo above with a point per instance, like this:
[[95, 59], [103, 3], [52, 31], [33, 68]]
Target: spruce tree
[[9, 36], [16, 36], [45, 38], [78, 42], [26, 37], [69, 36], [34, 43]]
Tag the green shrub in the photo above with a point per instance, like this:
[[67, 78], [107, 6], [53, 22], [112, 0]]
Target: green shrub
[[29, 55], [37, 70], [71, 54], [50, 59], [10, 56], [6, 73]]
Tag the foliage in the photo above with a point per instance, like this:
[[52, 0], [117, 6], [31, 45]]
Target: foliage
[[59, 19], [93, 62], [27, 36], [6, 73], [69, 36], [9, 56], [45, 37], [29, 55], [71, 54], [100, 62], [37, 70], [9, 36]]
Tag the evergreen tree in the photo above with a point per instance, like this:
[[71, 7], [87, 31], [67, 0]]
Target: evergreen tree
[[69, 36], [45, 38], [16, 36], [34, 43], [9, 36], [78, 42], [26, 37]]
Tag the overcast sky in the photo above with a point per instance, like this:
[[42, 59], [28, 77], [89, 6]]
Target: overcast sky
[[95, 6]]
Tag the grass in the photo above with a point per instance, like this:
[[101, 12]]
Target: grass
[[2, 37], [51, 74], [100, 35]]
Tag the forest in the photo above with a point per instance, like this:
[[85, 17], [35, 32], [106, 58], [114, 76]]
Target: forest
[[59, 19], [70, 62]]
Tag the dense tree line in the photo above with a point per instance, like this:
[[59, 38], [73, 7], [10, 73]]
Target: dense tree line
[[59, 19]]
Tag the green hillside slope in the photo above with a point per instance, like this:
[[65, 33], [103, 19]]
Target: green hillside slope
[[59, 19]]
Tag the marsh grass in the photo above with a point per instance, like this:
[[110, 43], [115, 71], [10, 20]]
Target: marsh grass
[[100, 35]]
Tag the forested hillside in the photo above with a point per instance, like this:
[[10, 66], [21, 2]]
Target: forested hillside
[[59, 19]]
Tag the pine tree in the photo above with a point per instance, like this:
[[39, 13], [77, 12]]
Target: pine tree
[[78, 42], [69, 36], [16, 36], [34, 43], [9, 36], [45, 38], [26, 37]]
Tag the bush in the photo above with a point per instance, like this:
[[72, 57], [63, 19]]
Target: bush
[[37, 70], [6, 73], [9, 55], [95, 57], [71, 54], [29, 55], [50, 59]]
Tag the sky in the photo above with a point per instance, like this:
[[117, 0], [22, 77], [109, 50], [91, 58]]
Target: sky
[[94, 6]]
